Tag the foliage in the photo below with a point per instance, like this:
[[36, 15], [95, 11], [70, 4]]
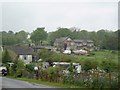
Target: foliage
[[17, 68], [53, 73], [71, 68], [89, 64], [11, 38], [30, 67], [103, 39], [44, 75], [6, 57], [39, 35], [47, 55], [108, 65]]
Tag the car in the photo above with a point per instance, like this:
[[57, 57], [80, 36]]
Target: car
[[3, 70], [67, 52]]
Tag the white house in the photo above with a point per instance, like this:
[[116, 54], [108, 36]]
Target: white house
[[24, 53]]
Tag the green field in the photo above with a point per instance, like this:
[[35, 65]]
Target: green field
[[99, 56]]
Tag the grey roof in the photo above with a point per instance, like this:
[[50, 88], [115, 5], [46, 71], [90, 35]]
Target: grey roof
[[89, 41], [41, 47], [37, 47], [77, 41], [21, 50], [62, 39]]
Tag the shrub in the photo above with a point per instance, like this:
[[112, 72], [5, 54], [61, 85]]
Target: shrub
[[30, 67], [17, 68], [20, 68], [6, 57], [89, 64], [44, 75], [108, 65], [53, 73]]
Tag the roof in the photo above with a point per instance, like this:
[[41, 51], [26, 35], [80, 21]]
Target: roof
[[21, 50], [89, 41], [77, 41], [62, 39], [37, 47], [41, 47]]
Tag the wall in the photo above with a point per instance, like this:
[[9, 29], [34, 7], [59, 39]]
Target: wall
[[26, 58]]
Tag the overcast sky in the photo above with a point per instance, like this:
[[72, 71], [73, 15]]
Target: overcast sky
[[91, 16]]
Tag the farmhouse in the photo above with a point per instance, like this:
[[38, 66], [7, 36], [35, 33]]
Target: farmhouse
[[64, 43], [68, 43], [84, 44], [24, 53]]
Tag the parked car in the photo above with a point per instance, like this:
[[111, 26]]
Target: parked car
[[67, 52], [3, 70]]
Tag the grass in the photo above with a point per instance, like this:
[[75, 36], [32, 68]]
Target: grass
[[57, 85], [100, 56]]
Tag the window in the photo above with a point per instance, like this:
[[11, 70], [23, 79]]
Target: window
[[25, 57]]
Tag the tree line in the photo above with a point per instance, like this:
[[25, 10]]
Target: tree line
[[103, 39]]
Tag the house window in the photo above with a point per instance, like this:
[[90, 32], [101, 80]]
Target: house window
[[25, 57]]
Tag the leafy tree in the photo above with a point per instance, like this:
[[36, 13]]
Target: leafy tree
[[61, 32], [39, 35], [8, 38], [11, 38], [45, 55], [21, 37], [6, 57]]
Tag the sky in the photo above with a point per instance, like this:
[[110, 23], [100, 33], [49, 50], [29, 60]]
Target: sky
[[86, 15]]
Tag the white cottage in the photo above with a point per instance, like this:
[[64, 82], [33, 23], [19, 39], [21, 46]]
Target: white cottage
[[24, 53]]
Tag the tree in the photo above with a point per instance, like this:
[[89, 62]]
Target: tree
[[8, 38], [21, 37], [61, 32], [39, 35], [11, 38], [6, 57]]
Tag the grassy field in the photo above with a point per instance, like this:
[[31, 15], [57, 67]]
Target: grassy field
[[99, 56]]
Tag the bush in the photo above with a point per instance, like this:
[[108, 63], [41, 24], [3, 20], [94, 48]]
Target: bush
[[71, 80], [17, 68], [28, 74], [89, 64], [30, 67], [108, 65], [53, 74], [44, 75], [20, 68], [6, 57]]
